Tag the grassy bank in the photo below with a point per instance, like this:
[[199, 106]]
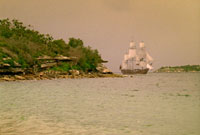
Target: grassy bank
[[185, 68]]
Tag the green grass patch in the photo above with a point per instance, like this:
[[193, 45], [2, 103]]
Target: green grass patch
[[183, 95]]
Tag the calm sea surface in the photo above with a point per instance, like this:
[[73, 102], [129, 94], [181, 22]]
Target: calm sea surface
[[152, 104]]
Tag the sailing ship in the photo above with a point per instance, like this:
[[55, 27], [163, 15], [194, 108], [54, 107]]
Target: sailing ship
[[136, 60]]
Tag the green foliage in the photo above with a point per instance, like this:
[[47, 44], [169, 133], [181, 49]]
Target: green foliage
[[9, 61], [2, 44], [23, 62], [65, 67], [5, 30], [90, 60], [24, 45], [62, 67], [75, 42], [2, 55], [185, 68], [59, 47]]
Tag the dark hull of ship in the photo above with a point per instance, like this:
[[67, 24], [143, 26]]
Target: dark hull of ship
[[134, 71]]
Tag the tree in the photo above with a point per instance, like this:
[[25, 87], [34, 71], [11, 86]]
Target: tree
[[74, 43], [5, 30]]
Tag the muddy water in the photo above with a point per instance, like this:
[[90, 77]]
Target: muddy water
[[153, 104]]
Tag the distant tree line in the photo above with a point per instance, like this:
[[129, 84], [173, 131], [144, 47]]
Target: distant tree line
[[184, 68]]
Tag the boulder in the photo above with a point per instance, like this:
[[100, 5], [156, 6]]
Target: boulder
[[11, 70], [19, 77], [17, 70], [47, 65], [74, 72], [17, 64], [62, 58], [7, 58], [5, 78], [6, 65], [45, 57], [40, 73], [57, 58], [103, 69]]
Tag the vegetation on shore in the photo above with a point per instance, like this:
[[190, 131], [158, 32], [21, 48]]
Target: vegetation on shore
[[185, 68], [23, 45], [26, 51]]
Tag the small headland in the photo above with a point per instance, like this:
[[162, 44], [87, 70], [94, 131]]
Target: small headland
[[25, 54], [179, 69]]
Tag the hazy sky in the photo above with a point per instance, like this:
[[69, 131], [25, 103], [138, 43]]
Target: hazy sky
[[169, 28]]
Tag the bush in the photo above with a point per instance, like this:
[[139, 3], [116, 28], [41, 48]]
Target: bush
[[24, 45]]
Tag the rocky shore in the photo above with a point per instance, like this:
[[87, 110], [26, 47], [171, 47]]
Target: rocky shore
[[54, 75], [43, 70], [27, 54]]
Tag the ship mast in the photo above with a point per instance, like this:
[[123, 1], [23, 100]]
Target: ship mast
[[132, 54], [145, 60], [137, 58]]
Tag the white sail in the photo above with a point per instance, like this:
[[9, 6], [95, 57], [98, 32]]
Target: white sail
[[149, 58], [137, 58], [141, 54], [143, 64], [124, 65], [149, 66], [141, 44], [126, 57], [145, 59], [132, 45], [132, 50], [142, 50], [132, 53]]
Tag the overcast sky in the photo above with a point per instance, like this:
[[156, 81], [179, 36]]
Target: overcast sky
[[169, 28]]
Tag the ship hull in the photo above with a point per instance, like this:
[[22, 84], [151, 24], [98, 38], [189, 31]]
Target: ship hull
[[134, 71]]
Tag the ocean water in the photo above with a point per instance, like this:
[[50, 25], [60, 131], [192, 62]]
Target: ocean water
[[152, 104]]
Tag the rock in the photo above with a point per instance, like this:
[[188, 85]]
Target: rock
[[41, 74], [106, 71], [30, 77], [17, 70], [7, 58], [17, 64], [62, 58], [19, 77], [57, 58], [11, 70], [6, 65], [45, 57], [6, 78], [74, 72], [103, 69], [47, 65]]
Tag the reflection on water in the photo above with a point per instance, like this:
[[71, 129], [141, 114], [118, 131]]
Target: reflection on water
[[153, 104]]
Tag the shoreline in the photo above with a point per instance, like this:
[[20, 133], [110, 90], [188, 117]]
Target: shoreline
[[42, 76], [176, 72], [179, 69]]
